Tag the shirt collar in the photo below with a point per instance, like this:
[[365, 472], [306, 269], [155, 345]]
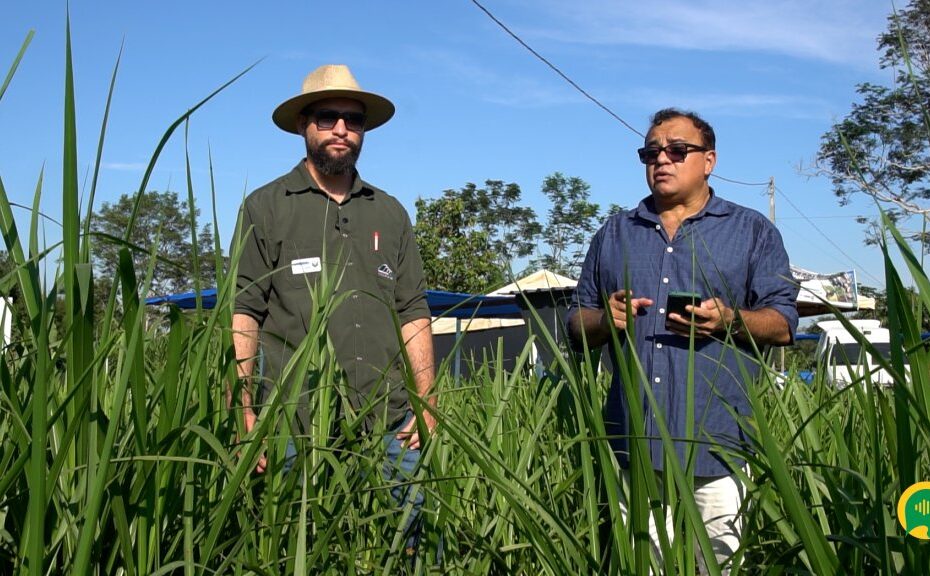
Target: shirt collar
[[715, 206], [299, 181]]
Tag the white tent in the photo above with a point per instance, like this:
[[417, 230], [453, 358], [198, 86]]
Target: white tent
[[539, 280]]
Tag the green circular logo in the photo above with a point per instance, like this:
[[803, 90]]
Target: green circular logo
[[914, 510]]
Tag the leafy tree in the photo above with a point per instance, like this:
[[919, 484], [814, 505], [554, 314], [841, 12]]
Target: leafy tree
[[882, 147], [613, 209], [457, 255], [163, 229], [573, 219], [512, 229], [470, 238], [881, 306]]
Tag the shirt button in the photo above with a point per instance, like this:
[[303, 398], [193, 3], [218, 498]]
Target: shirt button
[[357, 325], [355, 296], [658, 226], [658, 345], [661, 310], [665, 280], [348, 263], [344, 235], [657, 379], [669, 249], [359, 358]]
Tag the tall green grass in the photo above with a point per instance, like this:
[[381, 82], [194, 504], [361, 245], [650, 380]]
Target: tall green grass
[[119, 455]]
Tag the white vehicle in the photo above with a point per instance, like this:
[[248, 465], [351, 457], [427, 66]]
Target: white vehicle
[[843, 357]]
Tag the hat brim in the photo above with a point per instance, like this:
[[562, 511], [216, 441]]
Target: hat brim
[[378, 109]]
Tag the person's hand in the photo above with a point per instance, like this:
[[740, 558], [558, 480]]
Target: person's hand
[[710, 317], [617, 306], [250, 419], [411, 434]]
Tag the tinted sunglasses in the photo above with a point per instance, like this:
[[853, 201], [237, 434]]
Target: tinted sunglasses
[[676, 152], [326, 119]]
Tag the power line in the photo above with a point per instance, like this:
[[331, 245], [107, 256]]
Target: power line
[[584, 92], [739, 182], [827, 238], [821, 217], [555, 68]]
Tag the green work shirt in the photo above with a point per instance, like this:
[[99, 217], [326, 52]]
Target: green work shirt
[[284, 228]]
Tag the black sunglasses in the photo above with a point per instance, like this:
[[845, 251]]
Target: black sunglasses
[[326, 119], [676, 152]]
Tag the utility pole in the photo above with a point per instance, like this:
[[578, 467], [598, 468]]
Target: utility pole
[[772, 199], [781, 349]]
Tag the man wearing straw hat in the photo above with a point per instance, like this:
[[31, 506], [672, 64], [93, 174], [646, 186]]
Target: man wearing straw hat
[[692, 283], [322, 218]]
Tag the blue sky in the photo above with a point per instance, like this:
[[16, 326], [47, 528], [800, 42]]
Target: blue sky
[[472, 104]]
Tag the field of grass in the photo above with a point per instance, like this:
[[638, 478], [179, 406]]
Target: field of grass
[[119, 456]]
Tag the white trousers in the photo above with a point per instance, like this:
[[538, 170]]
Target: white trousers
[[719, 501]]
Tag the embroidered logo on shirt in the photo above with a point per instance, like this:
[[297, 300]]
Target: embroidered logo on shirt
[[385, 272], [306, 265]]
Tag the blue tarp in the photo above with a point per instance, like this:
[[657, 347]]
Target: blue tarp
[[186, 300], [447, 304], [458, 305]]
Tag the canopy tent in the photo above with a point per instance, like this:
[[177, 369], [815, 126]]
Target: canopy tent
[[539, 280], [186, 300], [458, 305], [446, 304], [471, 326], [502, 306]]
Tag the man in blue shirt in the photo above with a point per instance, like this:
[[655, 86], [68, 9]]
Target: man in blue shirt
[[684, 238]]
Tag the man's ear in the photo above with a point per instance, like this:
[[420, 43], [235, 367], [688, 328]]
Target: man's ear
[[710, 160], [302, 122]]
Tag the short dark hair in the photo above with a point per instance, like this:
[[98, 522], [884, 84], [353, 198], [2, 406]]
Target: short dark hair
[[709, 140]]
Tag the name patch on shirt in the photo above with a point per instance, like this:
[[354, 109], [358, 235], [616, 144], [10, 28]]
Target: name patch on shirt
[[306, 265]]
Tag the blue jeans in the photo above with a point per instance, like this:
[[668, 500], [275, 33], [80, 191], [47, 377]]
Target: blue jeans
[[400, 462]]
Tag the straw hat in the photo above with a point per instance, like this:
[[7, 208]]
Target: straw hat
[[332, 81]]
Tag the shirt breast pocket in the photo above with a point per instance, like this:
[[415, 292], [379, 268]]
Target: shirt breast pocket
[[385, 278], [298, 268]]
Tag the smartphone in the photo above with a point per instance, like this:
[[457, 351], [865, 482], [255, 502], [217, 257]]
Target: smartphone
[[677, 301]]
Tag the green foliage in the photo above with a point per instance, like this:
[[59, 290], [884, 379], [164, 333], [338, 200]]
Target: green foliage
[[880, 312], [882, 147], [457, 254], [573, 219], [161, 228], [469, 238], [512, 229], [119, 455]]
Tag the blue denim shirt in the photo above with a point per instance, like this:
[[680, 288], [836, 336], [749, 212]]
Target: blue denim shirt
[[725, 251]]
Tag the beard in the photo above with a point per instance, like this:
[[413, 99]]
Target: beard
[[332, 165]]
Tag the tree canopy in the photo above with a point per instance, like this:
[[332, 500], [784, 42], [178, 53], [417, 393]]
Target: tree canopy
[[162, 229], [511, 228], [457, 254], [471, 239], [882, 147], [573, 219]]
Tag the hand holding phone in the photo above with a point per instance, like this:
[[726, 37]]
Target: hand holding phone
[[677, 301]]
